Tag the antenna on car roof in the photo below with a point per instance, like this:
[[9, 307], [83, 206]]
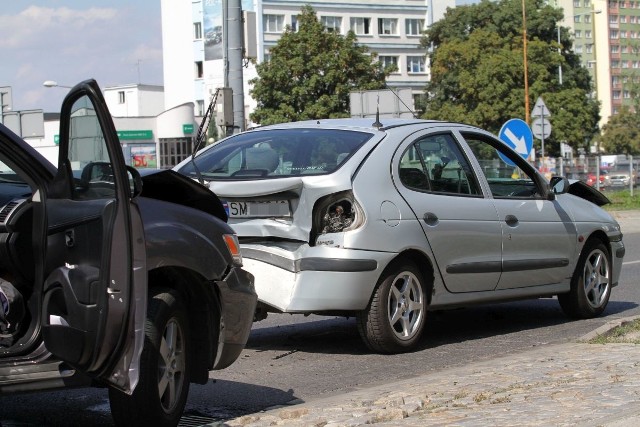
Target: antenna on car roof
[[413, 113], [377, 123]]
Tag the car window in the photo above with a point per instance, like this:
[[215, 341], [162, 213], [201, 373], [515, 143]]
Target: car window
[[88, 154], [436, 163], [277, 153], [505, 180]]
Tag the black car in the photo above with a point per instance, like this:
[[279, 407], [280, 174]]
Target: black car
[[110, 278]]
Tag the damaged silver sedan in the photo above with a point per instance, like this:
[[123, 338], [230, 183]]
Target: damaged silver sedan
[[387, 221]]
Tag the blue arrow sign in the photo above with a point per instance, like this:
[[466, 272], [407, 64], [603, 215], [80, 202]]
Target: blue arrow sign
[[516, 134]]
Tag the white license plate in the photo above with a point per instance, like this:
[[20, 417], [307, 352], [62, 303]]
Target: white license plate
[[262, 209]]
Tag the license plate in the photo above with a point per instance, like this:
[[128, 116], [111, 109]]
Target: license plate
[[262, 209]]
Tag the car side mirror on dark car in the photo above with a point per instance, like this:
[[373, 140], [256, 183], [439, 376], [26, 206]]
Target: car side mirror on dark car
[[135, 181]]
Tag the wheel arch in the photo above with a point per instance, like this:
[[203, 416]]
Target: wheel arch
[[198, 296], [424, 265]]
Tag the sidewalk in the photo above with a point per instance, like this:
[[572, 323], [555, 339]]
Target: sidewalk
[[575, 384]]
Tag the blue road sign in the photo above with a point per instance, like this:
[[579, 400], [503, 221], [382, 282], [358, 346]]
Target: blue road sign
[[516, 134]]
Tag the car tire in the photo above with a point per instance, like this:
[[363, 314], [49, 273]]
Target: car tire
[[163, 387], [395, 317], [590, 283]]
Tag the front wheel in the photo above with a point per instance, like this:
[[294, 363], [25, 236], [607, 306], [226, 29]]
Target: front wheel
[[162, 390], [394, 320], [590, 284]]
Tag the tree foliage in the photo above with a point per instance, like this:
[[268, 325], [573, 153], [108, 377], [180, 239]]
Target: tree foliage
[[477, 70], [621, 134], [311, 72]]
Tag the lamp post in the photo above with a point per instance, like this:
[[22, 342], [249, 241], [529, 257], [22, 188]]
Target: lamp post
[[524, 50]]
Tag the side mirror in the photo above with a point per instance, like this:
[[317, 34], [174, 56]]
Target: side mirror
[[135, 181], [559, 184]]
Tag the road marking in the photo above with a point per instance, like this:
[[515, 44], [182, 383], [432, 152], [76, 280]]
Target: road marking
[[630, 262]]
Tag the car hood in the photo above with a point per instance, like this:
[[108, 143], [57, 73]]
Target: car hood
[[584, 191], [170, 186]]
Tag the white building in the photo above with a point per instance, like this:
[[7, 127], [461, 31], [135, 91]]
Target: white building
[[192, 39], [151, 136]]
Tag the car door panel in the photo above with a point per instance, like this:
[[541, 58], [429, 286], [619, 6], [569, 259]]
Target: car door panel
[[460, 225], [91, 292]]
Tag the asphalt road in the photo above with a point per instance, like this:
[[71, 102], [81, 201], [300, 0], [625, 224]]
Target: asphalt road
[[296, 357]]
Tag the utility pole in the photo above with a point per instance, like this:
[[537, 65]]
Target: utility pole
[[233, 54]]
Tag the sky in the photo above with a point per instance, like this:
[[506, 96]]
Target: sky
[[116, 42]]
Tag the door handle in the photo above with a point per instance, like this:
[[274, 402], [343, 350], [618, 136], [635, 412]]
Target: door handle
[[430, 218], [70, 238], [511, 220]]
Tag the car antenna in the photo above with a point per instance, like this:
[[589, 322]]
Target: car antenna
[[202, 134], [413, 113], [377, 123]]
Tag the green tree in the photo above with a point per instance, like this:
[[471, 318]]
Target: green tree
[[310, 73], [477, 70], [621, 134]]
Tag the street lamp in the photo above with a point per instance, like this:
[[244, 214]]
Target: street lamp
[[52, 83]]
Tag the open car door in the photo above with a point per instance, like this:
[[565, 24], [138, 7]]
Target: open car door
[[94, 294]]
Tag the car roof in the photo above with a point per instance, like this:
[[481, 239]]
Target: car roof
[[363, 124]]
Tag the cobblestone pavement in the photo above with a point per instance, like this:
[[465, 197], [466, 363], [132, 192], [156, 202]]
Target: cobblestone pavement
[[572, 384], [569, 384]]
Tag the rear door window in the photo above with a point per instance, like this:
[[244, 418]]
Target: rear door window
[[277, 153]]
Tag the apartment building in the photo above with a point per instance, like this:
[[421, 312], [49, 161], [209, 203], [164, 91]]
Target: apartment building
[[193, 32], [607, 37]]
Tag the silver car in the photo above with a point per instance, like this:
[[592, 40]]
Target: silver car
[[387, 221]]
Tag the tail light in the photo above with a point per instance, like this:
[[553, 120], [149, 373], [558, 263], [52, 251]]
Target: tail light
[[231, 240], [336, 213]]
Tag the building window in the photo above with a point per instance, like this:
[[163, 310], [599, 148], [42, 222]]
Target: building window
[[614, 34], [294, 23], [615, 48], [361, 26], [197, 30], [121, 97], [173, 151], [578, 48], [273, 23], [199, 70], [387, 26], [578, 34], [413, 27], [415, 64], [577, 19], [331, 23], [616, 94], [587, 19], [589, 48], [386, 61], [587, 34], [200, 106]]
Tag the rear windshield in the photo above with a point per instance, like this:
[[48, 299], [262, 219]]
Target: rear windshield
[[277, 153]]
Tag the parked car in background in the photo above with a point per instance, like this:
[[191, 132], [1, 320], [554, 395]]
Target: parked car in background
[[387, 221], [619, 180], [604, 179], [109, 278]]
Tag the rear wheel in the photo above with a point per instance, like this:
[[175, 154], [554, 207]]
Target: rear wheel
[[394, 320], [590, 284], [162, 390]]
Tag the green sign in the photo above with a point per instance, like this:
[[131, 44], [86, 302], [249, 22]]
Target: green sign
[[56, 139], [135, 134], [187, 128]]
